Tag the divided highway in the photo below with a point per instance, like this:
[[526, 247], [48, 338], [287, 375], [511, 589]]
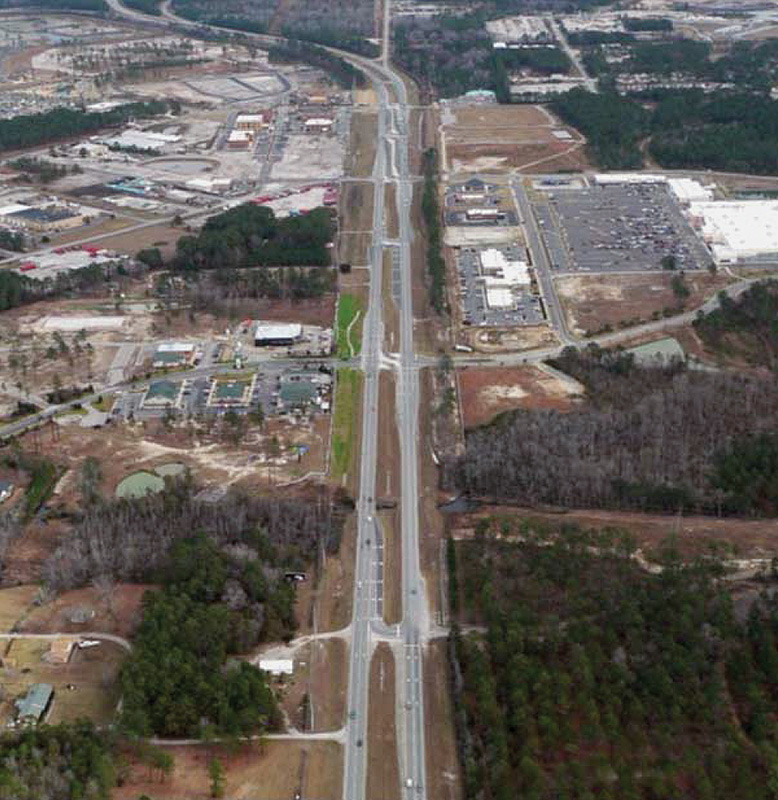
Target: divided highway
[[367, 626]]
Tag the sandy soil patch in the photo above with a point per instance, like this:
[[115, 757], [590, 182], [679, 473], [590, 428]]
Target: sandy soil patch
[[486, 393], [593, 302], [502, 340]]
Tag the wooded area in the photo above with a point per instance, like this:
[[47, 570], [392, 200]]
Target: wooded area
[[647, 438], [598, 679], [32, 130], [63, 762], [131, 540], [215, 603], [746, 327], [250, 236], [686, 129]]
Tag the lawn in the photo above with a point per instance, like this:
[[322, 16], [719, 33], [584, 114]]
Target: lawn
[[349, 325], [345, 422]]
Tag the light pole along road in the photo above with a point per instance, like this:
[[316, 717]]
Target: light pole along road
[[367, 627]]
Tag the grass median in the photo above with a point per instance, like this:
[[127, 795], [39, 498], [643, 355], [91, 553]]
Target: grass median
[[345, 422], [349, 325]]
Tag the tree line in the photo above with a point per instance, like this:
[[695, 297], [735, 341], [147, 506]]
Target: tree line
[[296, 51], [646, 438], [430, 209], [33, 130], [596, 678], [251, 235]]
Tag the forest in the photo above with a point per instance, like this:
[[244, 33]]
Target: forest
[[598, 679], [131, 540], [744, 328], [661, 438], [251, 236], [32, 130], [63, 762], [687, 129], [178, 681]]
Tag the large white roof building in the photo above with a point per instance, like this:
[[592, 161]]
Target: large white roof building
[[738, 230]]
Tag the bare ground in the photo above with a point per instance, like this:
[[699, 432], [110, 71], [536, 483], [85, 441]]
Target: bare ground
[[271, 771], [383, 775], [486, 392], [593, 301]]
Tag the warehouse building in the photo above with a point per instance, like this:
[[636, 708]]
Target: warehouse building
[[41, 220], [273, 334], [504, 279], [738, 231]]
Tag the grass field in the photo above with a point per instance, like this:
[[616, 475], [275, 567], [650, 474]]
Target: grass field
[[349, 336], [345, 429]]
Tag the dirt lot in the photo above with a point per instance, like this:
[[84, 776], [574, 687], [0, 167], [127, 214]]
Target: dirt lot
[[593, 301], [383, 774], [485, 393], [162, 236], [443, 778], [509, 137], [321, 673], [92, 672], [510, 339], [273, 771]]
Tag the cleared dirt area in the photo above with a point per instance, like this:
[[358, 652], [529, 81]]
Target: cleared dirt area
[[317, 311], [273, 770], [593, 302], [510, 339], [383, 773], [319, 678], [443, 779], [510, 137], [162, 236], [353, 248], [485, 393]]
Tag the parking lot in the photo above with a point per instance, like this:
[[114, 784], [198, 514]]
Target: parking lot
[[619, 228], [527, 309]]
